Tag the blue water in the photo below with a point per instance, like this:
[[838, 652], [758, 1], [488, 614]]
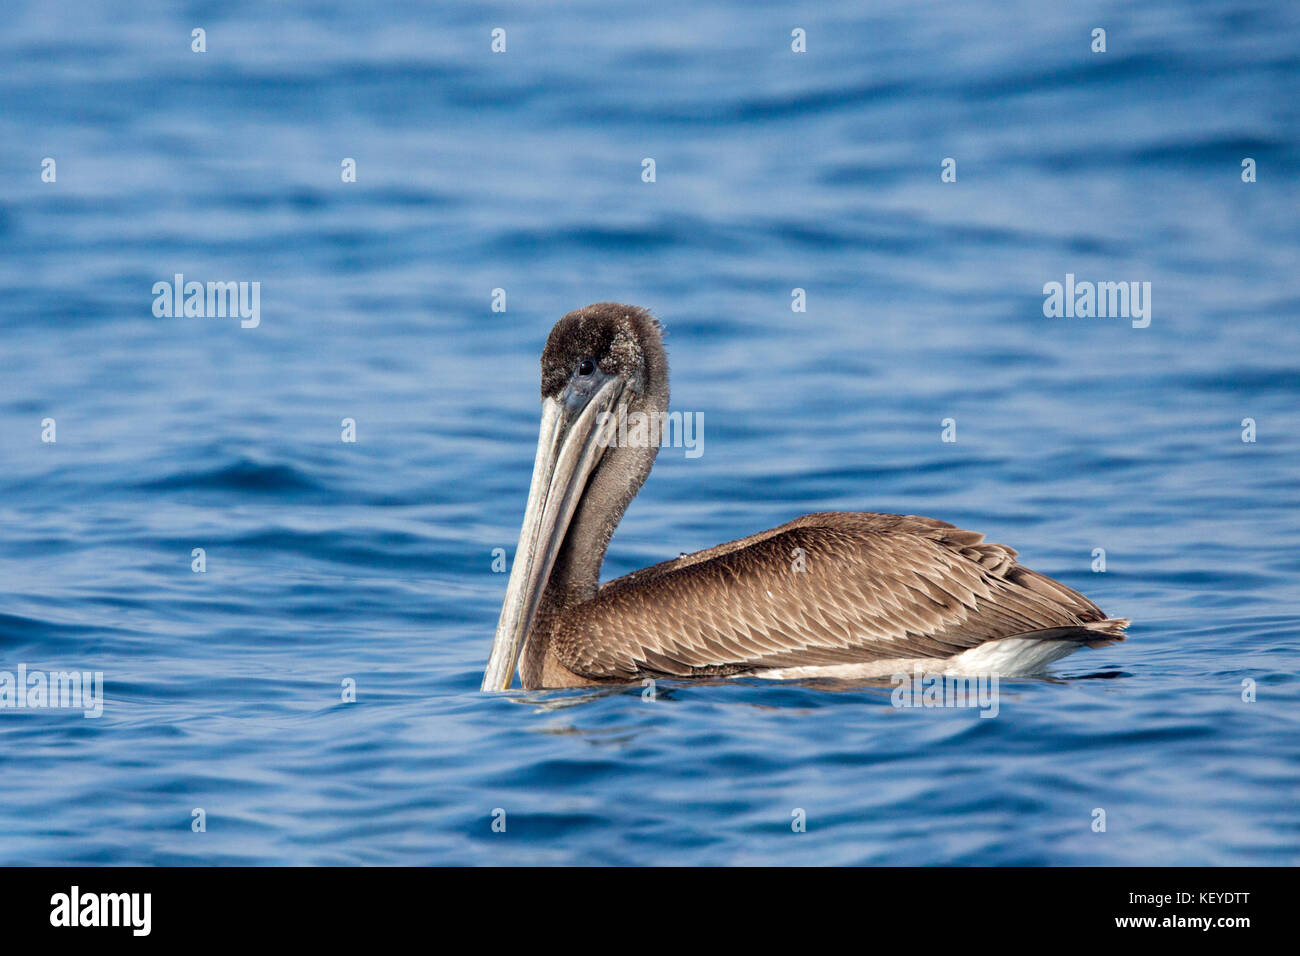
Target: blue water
[[372, 560]]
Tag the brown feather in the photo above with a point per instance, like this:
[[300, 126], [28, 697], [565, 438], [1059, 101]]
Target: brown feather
[[873, 587]]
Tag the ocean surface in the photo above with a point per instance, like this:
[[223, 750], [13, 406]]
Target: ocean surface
[[332, 564]]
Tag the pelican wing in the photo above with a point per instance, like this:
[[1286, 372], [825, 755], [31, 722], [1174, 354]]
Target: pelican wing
[[830, 588]]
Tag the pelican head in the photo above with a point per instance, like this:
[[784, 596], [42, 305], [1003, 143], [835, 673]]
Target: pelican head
[[600, 364]]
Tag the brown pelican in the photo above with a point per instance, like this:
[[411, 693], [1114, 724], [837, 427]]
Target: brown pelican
[[837, 594]]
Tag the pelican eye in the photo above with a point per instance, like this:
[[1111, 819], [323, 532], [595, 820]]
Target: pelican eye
[[586, 367]]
